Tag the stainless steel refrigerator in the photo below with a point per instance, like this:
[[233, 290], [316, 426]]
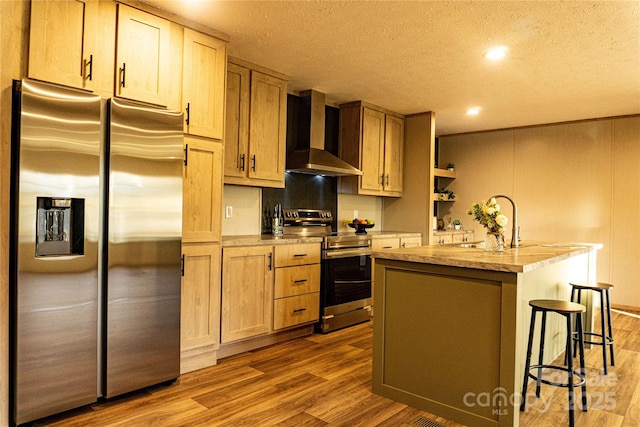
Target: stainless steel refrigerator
[[95, 248]]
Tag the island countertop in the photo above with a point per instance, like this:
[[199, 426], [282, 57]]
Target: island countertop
[[531, 255]]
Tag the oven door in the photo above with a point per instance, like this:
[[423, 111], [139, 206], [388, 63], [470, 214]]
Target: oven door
[[345, 292]]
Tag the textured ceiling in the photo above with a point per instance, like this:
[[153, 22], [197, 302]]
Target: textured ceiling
[[567, 60]]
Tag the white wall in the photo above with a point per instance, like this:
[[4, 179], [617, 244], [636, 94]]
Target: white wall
[[572, 182], [246, 205], [368, 207]]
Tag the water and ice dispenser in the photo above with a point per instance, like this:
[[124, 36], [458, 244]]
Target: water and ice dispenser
[[60, 227]]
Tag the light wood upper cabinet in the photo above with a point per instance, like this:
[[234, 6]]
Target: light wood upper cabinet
[[372, 139], [203, 78], [63, 42], [72, 43], [255, 128], [372, 161], [202, 190], [247, 292], [236, 139], [393, 154], [200, 307], [143, 56]]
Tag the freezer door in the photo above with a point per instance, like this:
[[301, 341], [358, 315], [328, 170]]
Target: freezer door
[[54, 249], [144, 247]]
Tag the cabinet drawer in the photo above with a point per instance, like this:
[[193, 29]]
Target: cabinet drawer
[[296, 310], [385, 243], [298, 254], [297, 280]]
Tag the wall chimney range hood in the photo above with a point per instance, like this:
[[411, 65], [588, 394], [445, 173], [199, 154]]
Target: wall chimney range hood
[[310, 156]]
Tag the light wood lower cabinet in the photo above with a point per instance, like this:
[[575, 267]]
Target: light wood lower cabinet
[[297, 285], [200, 308], [247, 292], [444, 238], [410, 242], [381, 243]]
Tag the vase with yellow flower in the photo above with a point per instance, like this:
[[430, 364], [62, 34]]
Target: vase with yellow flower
[[489, 215]]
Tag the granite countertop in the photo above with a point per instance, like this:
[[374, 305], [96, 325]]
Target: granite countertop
[[531, 255], [268, 239]]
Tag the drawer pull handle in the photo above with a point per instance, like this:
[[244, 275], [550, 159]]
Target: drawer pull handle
[[299, 255], [387, 247], [299, 310], [300, 281]]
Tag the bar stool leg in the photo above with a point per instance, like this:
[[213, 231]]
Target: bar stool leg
[[603, 332], [570, 374], [541, 353], [575, 343], [583, 370], [523, 400], [613, 360]]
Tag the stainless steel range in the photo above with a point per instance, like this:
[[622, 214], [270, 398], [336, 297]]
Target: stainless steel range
[[345, 286]]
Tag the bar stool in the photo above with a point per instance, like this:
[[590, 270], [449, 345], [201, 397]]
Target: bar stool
[[566, 309], [606, 337]]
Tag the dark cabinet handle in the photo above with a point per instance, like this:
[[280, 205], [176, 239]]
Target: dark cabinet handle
[[88, 63], [387, 247], [299, 255], [253, 163], [188, 111], [186, 154], [299, 310], [300, 281], [242, 162], [382, 179], [270, 260], [387, 184], [123, 73], [182, 266]]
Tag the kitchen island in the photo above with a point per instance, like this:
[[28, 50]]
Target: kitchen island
[[451, 324]]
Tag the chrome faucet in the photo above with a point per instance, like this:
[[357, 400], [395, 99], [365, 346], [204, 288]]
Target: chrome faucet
[[515, 230]]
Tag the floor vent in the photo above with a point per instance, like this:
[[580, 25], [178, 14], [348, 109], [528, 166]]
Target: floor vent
[[425, 422]]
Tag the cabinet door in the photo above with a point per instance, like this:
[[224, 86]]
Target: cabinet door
[[202, 191], [372, 150], [200, 313], [236, 131], [247, 292], [267, 128], [410, 242], [142, 56], [203, 75], [62, 42], [393, 154]]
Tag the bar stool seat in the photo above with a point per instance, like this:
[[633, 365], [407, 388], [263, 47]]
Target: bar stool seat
[[605, 336], [575, 379]]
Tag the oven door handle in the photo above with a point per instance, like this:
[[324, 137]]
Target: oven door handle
[[351, 282], [345, 253]]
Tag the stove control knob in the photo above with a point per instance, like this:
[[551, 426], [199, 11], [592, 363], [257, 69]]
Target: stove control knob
[[328, 214]]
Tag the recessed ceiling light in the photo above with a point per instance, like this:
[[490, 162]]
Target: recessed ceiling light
[[473, 111], [496, 53]]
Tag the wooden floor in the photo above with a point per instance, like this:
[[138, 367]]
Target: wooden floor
[[325, 380]]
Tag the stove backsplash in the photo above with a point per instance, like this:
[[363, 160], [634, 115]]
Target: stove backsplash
[[301, 191]]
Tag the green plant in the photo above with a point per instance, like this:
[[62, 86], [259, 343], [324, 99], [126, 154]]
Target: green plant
[[450, 165], [450, 194], [456, 222]]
